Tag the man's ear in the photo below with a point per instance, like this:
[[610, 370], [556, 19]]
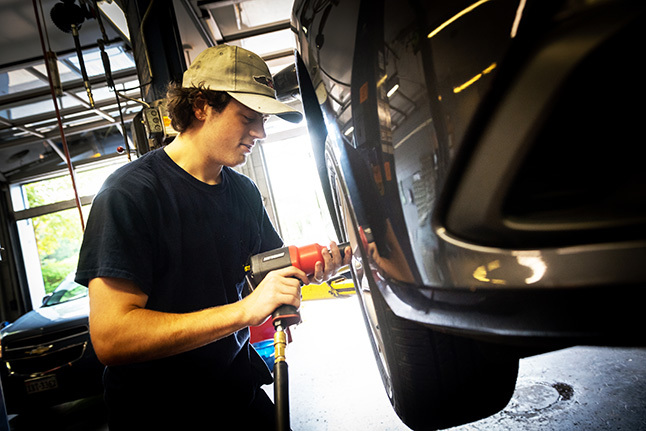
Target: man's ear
[[200, 106]]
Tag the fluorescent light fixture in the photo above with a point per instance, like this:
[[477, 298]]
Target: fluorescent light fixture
[[392, 90], [392, 84]]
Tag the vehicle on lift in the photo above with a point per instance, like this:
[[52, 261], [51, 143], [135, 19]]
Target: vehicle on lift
[[482, 159], [47, 356]]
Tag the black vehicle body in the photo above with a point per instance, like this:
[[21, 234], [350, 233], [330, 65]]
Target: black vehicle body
[[47, 356], [495, 202]]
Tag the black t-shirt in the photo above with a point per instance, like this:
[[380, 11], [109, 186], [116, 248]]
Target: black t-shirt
[[185, 244]]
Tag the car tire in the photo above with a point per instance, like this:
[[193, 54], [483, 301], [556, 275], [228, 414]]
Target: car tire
[[435, 380]]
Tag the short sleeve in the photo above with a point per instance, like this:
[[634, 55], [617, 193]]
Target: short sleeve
[[269, 237], [118, 240]]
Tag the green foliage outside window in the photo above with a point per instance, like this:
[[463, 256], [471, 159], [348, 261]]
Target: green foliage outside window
[[59, 237], [59, 234]]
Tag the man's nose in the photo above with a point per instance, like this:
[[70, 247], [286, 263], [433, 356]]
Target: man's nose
[[258, 131]]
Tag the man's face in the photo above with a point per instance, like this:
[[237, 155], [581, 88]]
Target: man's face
[[230, 135]]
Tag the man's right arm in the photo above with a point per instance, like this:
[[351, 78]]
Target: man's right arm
[[123, 331]]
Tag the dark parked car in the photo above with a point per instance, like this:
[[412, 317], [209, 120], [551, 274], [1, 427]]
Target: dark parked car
[[482, 159], [47, 356]]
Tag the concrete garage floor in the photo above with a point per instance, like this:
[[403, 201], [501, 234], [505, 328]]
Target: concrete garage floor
[[335, 385], [583, 388]]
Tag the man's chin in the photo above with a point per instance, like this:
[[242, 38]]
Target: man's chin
[[240, 162]]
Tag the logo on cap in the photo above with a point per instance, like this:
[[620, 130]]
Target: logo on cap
[[264, 81]]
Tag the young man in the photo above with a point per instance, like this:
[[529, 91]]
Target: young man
[[163, 256]]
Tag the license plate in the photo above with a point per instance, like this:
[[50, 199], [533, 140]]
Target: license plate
[[41, 384]]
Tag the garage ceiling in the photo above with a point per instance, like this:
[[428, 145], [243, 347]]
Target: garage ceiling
[[30, 136]]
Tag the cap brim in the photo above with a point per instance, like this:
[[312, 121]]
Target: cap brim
[[268, 105]]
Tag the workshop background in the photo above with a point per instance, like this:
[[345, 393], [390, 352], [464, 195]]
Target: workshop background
[[334, 380]]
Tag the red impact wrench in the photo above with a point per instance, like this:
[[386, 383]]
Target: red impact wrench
[[303, 258]]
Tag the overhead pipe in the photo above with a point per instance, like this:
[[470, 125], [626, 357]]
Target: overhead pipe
[[66, 150]]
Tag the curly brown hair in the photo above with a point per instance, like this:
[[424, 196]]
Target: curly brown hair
[[181, 103]]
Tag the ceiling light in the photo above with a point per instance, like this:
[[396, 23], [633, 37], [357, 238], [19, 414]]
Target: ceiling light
[[392, 90], [392, 85]]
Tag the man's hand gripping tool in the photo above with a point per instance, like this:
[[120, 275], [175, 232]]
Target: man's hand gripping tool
[[284, 316]]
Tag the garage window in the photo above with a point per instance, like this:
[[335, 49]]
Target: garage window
[[298, 198], [49, 224]]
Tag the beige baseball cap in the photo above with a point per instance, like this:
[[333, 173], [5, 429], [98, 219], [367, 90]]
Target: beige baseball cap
[[243, 75]]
